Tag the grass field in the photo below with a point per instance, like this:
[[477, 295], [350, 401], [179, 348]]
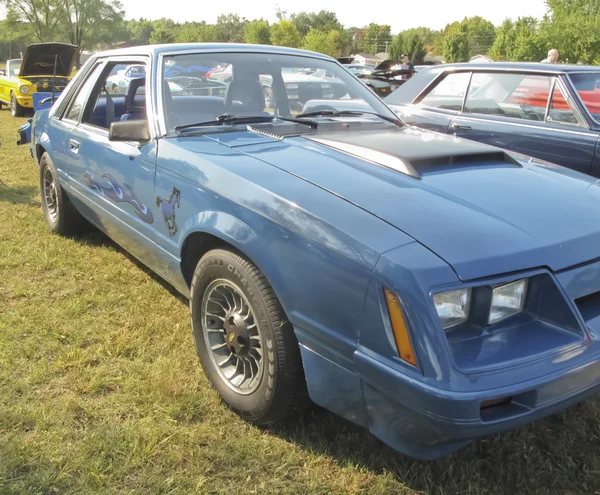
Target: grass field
[[101, 392]]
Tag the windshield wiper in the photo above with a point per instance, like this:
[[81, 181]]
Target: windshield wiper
[[350, 113], [227, 118]]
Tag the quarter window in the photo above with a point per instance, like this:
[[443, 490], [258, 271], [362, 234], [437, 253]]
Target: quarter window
[[517, 96], [79, 101], [449, 93], [560, 110]]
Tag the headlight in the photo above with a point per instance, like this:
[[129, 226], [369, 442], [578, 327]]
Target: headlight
[[291, 86], [453, 307], [326, 85], [24, 89], [507, 300]]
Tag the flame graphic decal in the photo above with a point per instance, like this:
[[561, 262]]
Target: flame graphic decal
[[113, 190]]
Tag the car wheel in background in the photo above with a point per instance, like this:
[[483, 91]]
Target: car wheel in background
[[16, 110], [61, 216], [269, 100], [246, 345]]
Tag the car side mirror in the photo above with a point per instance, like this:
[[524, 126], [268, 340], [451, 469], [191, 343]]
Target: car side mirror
[[130, 130]]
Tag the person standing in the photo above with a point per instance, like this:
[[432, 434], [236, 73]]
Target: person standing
[[552, 57], [407, 65]]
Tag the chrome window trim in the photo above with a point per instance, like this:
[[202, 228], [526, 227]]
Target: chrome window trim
[[520, 122]]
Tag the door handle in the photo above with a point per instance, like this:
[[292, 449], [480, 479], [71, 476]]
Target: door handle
[[74, 145], [460, 127]]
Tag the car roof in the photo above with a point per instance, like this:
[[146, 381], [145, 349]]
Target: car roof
[[153, 50], [520, 66]]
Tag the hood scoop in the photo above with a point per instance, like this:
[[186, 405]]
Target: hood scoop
[[415, 154]]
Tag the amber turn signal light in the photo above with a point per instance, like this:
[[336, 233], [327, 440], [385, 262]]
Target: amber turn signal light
[[405, 349]]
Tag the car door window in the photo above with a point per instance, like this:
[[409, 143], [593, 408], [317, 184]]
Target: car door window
[[449, 93], [105, 106], [518, 96], [560, 111], [77, 103]]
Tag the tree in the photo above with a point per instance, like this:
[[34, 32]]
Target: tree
[[456, 47], [572, 26], [519, 41], [230, 28], [480, 34], [195, 32], [258, 32], [285, 33], [322, 42], [323, 21], [41, 18], [408, 43], [164, 31], [375, 38], [140, 30], [91, 22]]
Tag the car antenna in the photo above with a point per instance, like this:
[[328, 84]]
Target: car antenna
[[54, 77]]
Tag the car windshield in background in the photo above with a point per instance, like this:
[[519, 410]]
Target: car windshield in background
[[588, 87], [14, 68], [204, 86]]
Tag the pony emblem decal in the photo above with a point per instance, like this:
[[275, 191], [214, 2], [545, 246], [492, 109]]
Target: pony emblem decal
[[168, 210], [120, 194]]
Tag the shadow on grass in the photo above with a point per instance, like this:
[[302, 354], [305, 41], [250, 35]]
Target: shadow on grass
[[96, 238], [22, 195], [554, 455]]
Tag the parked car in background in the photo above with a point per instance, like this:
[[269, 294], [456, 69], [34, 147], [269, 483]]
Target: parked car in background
[[431, 289], [44, 69], [549, 111]]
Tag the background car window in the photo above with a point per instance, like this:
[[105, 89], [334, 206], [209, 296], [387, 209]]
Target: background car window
[[78, 102], [449, 93], [588, 88], [106, 106], [518, 96], [560, 110]]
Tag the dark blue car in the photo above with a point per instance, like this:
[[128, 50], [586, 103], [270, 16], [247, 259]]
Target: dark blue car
[[549, 111], [431, 289]]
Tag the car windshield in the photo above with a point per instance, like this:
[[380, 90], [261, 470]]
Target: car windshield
[[203, 86], [588, 88], [14, 66]]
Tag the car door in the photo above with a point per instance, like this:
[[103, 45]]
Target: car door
[[116, 179], [435, 108], [529, 114]]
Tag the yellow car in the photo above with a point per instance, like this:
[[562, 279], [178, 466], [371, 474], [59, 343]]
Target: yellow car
[[43, 65]]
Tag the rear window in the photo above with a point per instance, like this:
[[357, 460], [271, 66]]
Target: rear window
[[588, 87]]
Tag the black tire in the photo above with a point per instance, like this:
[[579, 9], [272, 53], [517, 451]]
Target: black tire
[[282, 387], [61, 216], [16, 110]]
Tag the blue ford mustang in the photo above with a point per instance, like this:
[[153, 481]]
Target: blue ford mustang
[[431, 289]]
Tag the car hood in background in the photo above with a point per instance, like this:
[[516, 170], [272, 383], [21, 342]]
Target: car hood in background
[[479, 209], [39, 58]]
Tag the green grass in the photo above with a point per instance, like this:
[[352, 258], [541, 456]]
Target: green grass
[[101, 392]]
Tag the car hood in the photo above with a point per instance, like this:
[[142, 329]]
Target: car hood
[[39, 58], [473, 205]]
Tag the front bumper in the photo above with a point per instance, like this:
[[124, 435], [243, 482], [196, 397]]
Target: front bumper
[[427, 423], [25, 100]]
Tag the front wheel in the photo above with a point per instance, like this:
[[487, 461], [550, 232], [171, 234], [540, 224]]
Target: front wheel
[[245, 343], [61, 216], [16, 110]]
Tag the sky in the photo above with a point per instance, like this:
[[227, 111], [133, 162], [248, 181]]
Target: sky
[[399, 14]]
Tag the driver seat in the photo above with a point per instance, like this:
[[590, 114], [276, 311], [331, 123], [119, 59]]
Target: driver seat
[[245, 97]]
